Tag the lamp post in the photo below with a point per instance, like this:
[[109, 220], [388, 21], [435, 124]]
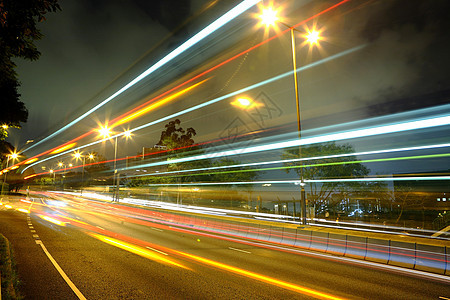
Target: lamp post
[[53, 172], [12, 156], [106, 133], [269, 18], [78, 156], [62, 165]]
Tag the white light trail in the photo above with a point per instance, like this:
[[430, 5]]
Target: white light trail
[[303, 159], [297, 182], [221, 21], [340, 136]]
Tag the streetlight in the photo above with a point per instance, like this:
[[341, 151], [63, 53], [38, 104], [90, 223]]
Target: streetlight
[[78, 156], [269, 18], [12, 156], [53, 172], [106, 132], [61, 165]]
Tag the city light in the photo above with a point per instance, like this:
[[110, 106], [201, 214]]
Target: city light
[[268, 16], [104, 131]]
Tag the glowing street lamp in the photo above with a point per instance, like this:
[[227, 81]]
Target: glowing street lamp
[[268, 18], [12, 156], [53, 172], [62, 165], [106, 133], [78, 156]]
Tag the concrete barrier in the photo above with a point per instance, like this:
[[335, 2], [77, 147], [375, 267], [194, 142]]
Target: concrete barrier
[[319, 241], [356, 247], [289, 236], [402, 254], [264, 232], [303, 239], [337, 243], [430, 258], [276, 234], [378, 250], [253, 231]]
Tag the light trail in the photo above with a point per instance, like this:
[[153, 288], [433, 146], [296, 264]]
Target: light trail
[[155, 105], [234, 234], [297, 182], [210, 102], [137, 250], [217, 24], [210, 70], [259, 277], [340, 136], [141, 251], [303, 165], [302, 159]]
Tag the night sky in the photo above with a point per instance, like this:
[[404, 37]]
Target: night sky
[[85, 47]]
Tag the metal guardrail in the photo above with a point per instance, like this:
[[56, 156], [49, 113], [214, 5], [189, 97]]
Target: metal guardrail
[[442, 221]]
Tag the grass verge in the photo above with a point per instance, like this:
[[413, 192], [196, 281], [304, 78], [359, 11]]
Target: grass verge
[[8, 270]]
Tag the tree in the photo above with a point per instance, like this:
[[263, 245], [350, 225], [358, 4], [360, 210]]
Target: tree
[[18, 32], [175, 137], [326, 168]]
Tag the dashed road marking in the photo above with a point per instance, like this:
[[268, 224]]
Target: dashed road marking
[[157, 229], [240, 250], [150, 248]]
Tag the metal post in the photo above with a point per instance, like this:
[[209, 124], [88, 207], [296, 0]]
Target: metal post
[[82, 175], [115, 170], [299, 127], [5, 175]]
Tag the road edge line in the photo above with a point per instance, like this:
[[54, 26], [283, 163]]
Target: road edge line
[[61, 272]]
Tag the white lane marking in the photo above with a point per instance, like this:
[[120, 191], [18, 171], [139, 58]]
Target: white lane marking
[[31, 227], [150, 248], [35, 235], [61, 272], [100, 227], [33, 230], [235, 249], [157, 229]]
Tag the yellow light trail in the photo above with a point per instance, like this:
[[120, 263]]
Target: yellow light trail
[[136, 250], [29, 161], [260, 277], [53, 220], [155, 105], [23, 210], [63, 148]]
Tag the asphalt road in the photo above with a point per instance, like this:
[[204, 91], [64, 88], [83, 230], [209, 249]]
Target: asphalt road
[[106, 252]]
